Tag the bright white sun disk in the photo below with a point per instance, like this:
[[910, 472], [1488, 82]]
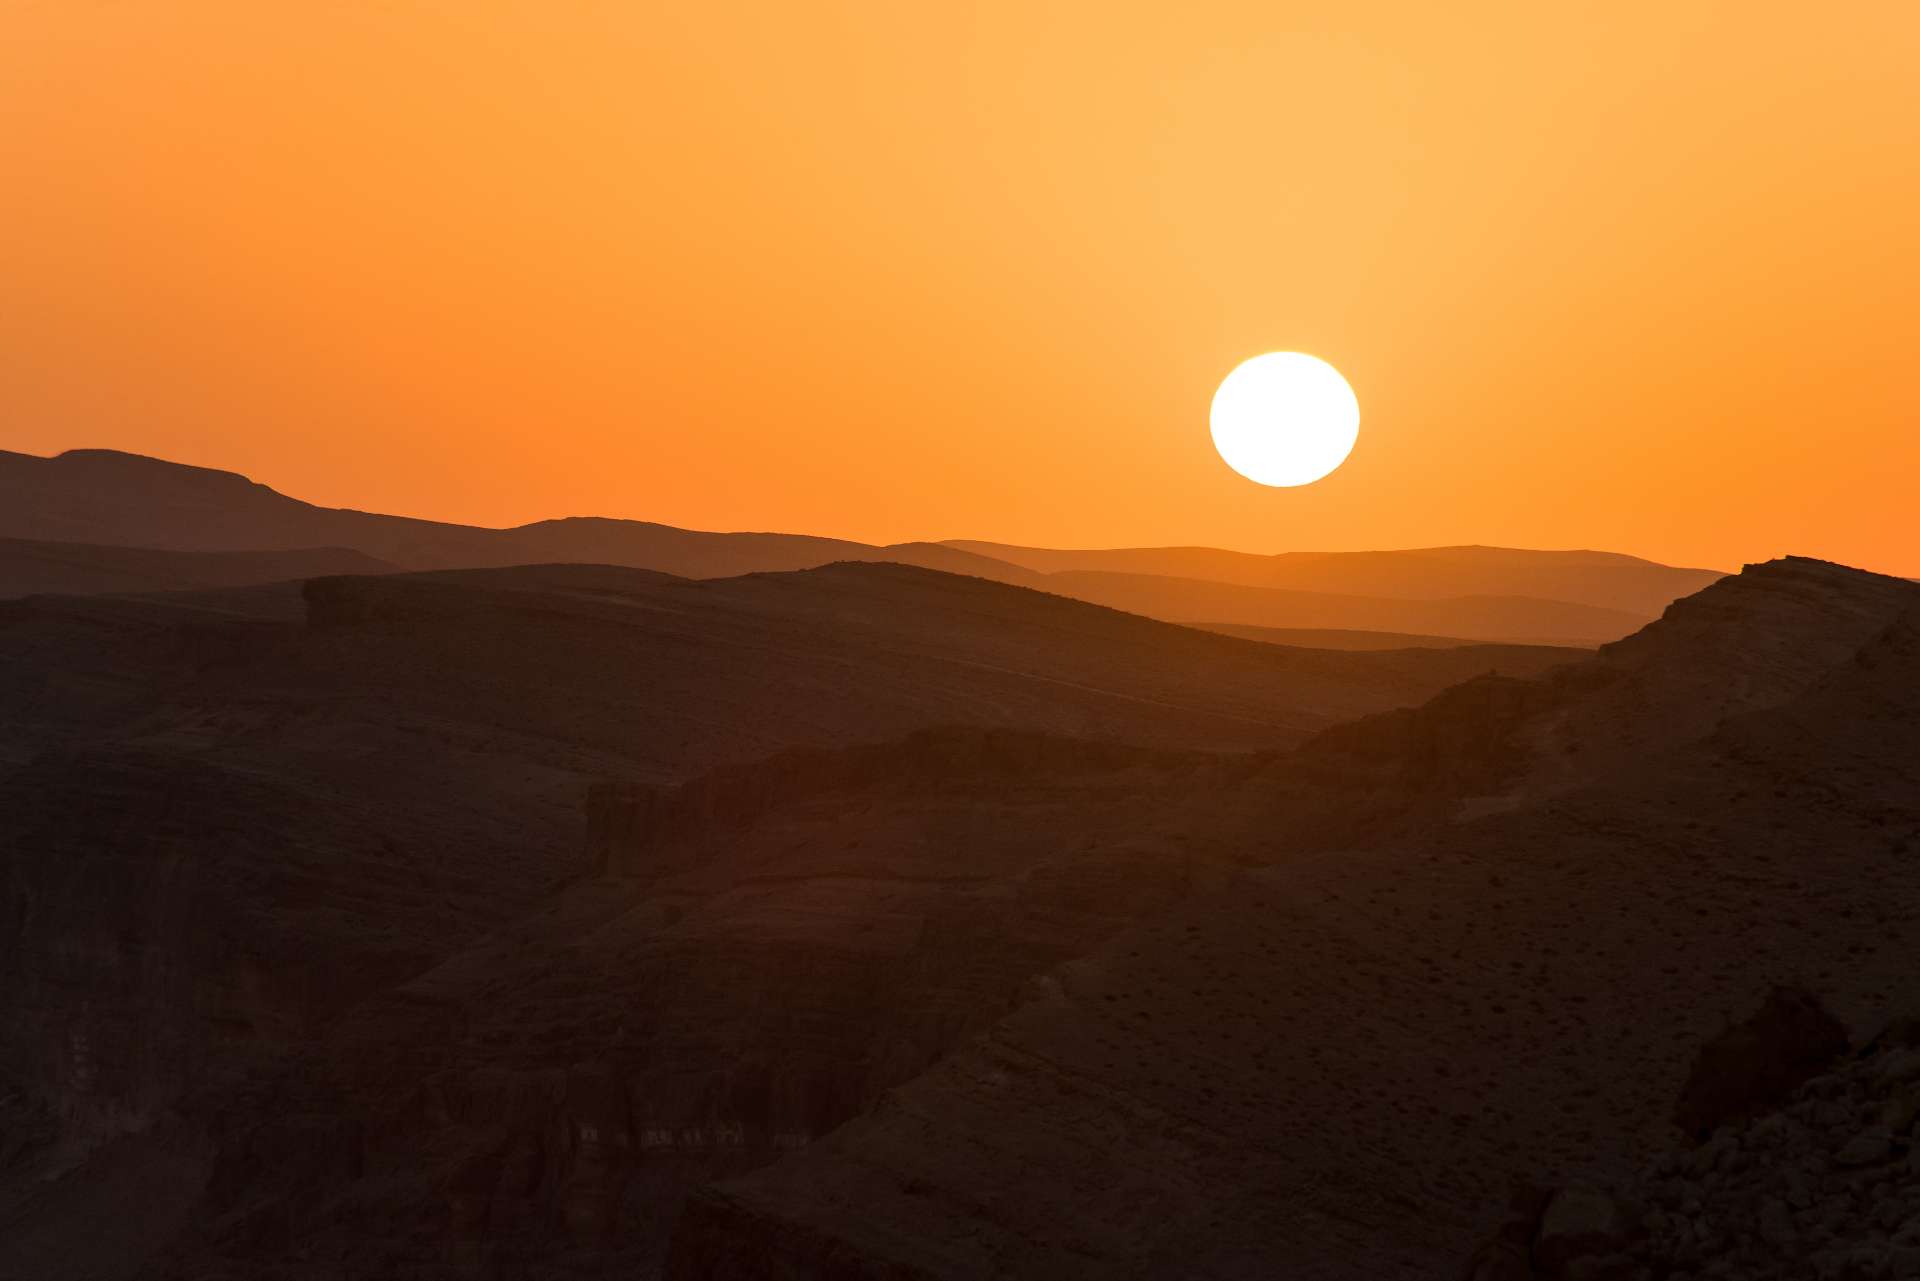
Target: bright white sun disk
[[1285, 418]]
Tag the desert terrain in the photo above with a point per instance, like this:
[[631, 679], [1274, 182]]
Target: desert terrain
[[596, 899]]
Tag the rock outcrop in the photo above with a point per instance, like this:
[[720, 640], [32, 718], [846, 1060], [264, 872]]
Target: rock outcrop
[[1759, 1061], [643, 831], [1752, 642], [1825, 1185], [767, 974]]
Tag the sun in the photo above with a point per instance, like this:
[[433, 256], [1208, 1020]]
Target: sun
[[1285, 418]]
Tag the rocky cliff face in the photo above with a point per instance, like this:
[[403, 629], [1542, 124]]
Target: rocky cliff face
[[636, 830], [780, 945], [1751, 642], [243, 864]]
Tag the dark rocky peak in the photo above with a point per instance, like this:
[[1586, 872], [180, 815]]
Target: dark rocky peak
[[109, 465], [1748, 643], [104, 496], [99, 477], [1463, 738], [1759, 637], [1754, 641]]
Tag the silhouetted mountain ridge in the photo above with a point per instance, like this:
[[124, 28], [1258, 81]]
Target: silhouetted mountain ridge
[[1750, 641], [1582, 598]]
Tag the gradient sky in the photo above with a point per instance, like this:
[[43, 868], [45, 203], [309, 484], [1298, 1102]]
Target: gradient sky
[[1636, 276]]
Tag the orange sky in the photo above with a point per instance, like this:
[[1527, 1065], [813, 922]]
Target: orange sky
[[1635, 276]]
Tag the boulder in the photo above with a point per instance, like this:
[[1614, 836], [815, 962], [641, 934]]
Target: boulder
[[1580, 1222], [1869, 1147], [1498, 1261], [1755, 1065]]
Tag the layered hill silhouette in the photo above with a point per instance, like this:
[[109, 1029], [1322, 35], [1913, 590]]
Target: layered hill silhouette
[[1522, 619], [1334, 637], [1605, 580], [96, 497], [104, 496]]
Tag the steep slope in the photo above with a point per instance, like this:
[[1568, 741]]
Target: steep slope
[[1753, 641], [1336, 1066], [1606, 580], [29, 568], [778, 944]]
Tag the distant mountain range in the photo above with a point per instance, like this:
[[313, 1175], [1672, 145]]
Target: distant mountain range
[[103, 499]]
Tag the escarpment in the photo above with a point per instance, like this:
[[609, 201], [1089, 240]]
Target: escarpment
[[770, 951], [636, 829], [1499, 742]]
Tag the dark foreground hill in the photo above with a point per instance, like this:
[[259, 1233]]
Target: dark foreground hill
[[771, 949], [234, 844], [92, 496], [325, 969], [1337, 1065]]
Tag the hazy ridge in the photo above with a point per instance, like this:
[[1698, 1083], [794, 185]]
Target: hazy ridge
[[1576, 598]]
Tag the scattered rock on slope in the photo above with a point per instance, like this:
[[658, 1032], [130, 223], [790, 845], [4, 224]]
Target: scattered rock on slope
[[1826, 1186]]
